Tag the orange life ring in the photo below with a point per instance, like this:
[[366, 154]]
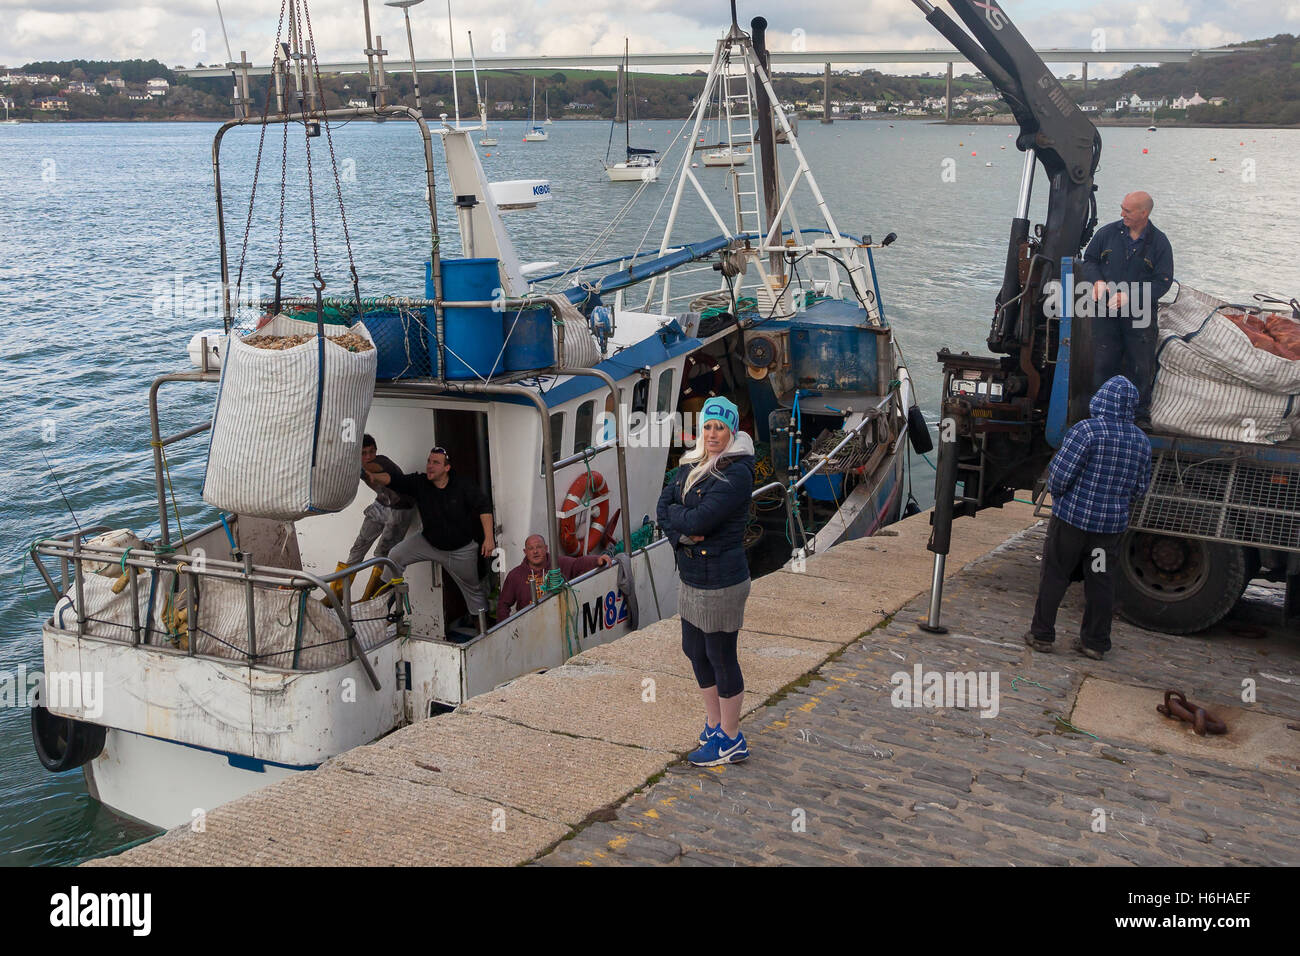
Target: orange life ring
[[588, 486]]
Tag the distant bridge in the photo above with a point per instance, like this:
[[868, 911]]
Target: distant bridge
[[689, 61]]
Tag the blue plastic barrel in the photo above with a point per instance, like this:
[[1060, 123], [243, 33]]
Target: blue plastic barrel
[[473, 337], [400, 344], [824, 487], [530, 340]]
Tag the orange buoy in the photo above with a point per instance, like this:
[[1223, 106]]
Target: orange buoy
[[1145, 150]]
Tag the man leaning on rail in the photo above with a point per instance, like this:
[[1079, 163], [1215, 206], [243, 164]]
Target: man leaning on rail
[[525, 585]]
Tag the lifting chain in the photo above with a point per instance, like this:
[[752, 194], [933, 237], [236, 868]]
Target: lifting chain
[[1178, 707]]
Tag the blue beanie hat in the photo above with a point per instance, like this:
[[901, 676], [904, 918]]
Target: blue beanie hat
[[721, 410]]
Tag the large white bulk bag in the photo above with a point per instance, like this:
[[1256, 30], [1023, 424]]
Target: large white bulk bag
[[1192, 397], [287, 427]]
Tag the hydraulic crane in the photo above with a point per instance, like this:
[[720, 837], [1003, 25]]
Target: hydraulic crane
[[993, 427]]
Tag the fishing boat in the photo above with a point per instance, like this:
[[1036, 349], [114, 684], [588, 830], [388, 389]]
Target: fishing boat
[[641, 164], [245, 651], [535, 134]]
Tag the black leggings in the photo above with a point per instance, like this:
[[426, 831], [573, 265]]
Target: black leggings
[[713, 658]]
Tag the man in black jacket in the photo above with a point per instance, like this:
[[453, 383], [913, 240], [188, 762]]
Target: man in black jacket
[[452, 509], [1130, 265]]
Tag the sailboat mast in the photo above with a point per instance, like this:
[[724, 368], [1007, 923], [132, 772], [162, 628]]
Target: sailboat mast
[[627, 117]]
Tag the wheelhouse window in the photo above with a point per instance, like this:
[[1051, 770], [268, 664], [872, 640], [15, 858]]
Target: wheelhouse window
[[557, 436], [582, 425]]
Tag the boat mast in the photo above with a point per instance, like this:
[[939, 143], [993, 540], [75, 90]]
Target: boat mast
[[451, 39], [482, 110], [627, 117], [767, 140]]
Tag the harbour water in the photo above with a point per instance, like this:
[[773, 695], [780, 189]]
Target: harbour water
[[108, 259]]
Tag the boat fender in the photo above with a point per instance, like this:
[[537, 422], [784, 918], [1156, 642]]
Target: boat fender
[[63, 743], [918, 431]]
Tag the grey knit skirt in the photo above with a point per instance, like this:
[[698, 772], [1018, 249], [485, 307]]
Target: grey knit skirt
[[722, 609]]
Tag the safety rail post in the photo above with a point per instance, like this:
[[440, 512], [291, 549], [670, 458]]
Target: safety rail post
[[133, 574], [250, 597], [192, 609], [80, 583], [159, 443]]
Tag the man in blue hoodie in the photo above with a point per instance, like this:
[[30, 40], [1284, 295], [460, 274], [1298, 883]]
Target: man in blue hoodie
[[1101, 469]]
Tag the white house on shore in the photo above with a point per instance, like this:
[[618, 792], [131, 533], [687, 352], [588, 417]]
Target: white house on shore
[[157, 86], [1194, 100]]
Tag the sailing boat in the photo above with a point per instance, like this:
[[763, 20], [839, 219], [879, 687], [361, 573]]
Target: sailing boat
[[488, 139], [7, 121], [546, 96], [641, 165], [535, 133], [725, 153]]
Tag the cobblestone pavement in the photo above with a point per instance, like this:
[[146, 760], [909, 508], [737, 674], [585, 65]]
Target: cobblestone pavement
[[841, 776]]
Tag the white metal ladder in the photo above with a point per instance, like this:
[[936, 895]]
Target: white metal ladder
[[738, 106]]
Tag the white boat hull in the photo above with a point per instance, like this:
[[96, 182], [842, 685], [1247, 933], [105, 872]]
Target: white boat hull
[[726, 159], [168, 784], [623, 173]]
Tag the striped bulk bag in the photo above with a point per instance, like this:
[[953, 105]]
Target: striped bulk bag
[[287, 427], [1195, 397]]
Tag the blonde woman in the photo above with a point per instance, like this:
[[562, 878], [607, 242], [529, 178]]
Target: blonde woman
[[703, 512]]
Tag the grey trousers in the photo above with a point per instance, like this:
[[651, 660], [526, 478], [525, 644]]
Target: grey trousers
[[461, 564], [387, 524]]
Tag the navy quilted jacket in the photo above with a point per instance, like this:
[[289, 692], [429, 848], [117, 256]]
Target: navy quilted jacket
[[717, 507], [1104, 463]]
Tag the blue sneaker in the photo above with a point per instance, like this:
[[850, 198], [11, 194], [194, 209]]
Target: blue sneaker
[[720, 749], [708, 732]]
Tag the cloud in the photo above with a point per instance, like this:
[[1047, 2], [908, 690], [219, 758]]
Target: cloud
[[113, 29]]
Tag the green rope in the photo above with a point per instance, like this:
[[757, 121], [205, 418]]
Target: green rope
[[1065, 723], [1024, 680]]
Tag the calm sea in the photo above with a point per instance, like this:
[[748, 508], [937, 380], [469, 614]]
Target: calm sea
[[108, 254]]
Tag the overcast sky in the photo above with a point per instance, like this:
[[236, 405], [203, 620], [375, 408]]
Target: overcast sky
[[184, 32]]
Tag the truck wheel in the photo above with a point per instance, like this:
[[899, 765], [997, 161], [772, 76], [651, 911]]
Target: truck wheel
[[1177, 585]]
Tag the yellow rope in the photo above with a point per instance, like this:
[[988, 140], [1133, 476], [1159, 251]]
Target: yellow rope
[[180, 532]]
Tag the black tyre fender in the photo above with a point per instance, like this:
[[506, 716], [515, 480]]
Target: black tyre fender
[[63, 743], [1177, 585], [918, 431]]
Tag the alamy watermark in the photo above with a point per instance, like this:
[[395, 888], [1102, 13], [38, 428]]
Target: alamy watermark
[[61, 691], [960, 689]]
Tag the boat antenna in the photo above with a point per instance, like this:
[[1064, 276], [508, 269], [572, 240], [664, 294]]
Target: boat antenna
[[474, 66], [451, 38], [410, 44]]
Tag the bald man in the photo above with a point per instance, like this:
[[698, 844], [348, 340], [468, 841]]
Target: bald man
[[523, 585], [1129, 265]]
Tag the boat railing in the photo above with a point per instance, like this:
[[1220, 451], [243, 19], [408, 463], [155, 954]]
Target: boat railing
[[203, 573], [789, 492]]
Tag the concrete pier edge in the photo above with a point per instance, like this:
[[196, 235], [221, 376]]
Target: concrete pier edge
[[515, 773]]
